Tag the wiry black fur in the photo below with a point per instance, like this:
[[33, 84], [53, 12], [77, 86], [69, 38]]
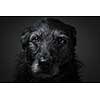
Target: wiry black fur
[[69, 68]]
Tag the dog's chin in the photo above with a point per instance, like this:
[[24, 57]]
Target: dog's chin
[[39, 72]]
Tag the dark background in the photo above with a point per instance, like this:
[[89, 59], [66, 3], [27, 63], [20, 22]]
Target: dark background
[[88, 35]]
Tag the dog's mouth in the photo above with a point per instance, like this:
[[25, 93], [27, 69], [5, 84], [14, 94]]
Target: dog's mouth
[[44, 69]]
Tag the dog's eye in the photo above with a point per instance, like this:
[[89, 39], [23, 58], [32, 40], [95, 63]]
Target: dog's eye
[[61, 40], [35, 38]]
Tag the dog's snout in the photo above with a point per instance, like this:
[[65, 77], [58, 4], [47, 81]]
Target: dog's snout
[[44, 53]]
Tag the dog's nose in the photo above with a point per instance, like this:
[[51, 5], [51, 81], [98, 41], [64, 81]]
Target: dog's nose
[[44, 64], [43, 59]]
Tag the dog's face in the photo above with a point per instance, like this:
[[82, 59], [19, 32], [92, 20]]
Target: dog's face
[[46, 51]]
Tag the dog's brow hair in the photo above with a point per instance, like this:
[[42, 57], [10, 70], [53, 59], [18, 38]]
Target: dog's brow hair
[[62, 35], [34, 34]]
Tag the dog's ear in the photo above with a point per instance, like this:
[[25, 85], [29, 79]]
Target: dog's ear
[[74, 33], [24, 38]]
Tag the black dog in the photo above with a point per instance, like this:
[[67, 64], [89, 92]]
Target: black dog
[[48, 53]]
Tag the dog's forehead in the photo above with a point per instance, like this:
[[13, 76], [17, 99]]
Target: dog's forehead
[[50, 34]]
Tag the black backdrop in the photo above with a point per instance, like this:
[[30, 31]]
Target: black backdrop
[[88, 34]]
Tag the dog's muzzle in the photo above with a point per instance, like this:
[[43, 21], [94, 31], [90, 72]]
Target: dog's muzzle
[[42, 65]]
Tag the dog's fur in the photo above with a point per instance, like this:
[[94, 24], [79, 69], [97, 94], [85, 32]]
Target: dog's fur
[[48, 53]]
